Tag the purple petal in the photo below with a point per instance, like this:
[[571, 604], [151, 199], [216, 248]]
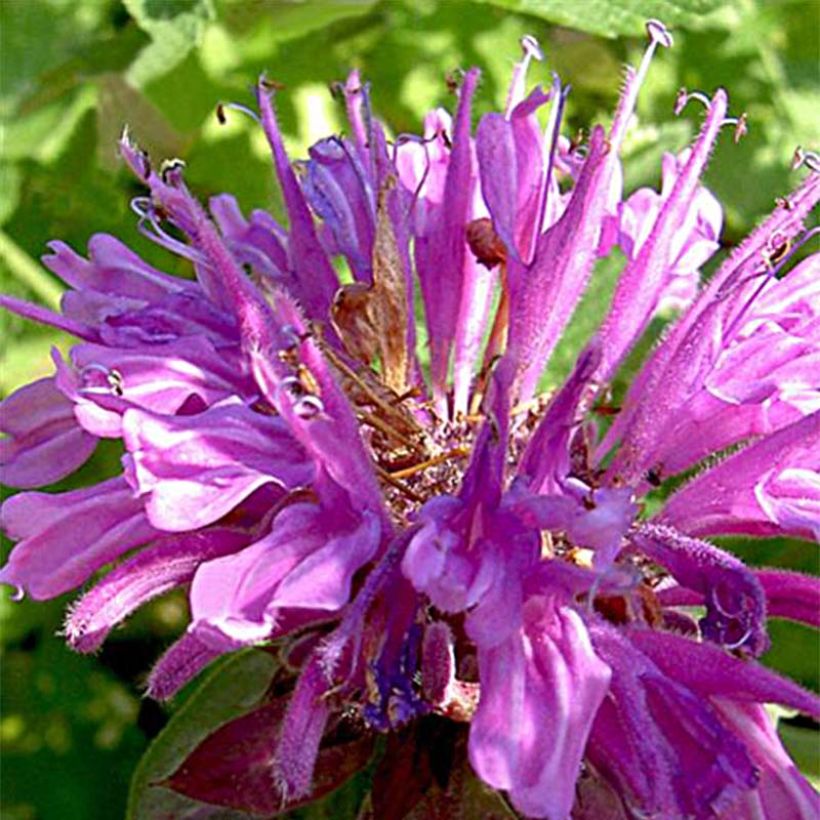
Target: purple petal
[[643, 280], [65, 537], [683, 359], [544, 294], [302, 729], [735, 601], [692, 244], [440, 253], [781, 790], [306, 562], [338, 190], [769, 488], [710, 671], [195, 469], [175, 316], [44, 316], [113, 269], [44, 442], [791, 595], [182, 662], [658, 741], [496, 152], [317, 279], [546, 461], [155, 570], [259, 242], [540, 691], [160, 378]]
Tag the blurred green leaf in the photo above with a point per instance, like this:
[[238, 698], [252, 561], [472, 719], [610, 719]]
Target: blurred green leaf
[[174, 27], [10, 181], [613, 17], [289, 18], [39, 35], [65, 721], [233, 687]]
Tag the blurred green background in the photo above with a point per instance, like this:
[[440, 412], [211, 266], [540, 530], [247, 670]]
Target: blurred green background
[[73, 72]]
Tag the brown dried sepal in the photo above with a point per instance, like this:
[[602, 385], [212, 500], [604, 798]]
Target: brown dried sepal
[[354, 323], [389, 305], [373, 320]]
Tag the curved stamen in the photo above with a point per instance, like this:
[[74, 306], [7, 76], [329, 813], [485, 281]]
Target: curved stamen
[[141, 206], [233, 106], [658, 36], [532, 48], [811, 159], [149, 226], [740, 641], [682, 100], [110, 383], [292, 386], [153, 231], [308, 407]]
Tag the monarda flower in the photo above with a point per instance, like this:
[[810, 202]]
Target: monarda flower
[[442, 542]]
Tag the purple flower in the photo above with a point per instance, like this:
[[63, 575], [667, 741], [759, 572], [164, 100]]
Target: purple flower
[[445, 540]]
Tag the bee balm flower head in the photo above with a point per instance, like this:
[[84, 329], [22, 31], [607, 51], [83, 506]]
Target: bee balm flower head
[[445, 540]]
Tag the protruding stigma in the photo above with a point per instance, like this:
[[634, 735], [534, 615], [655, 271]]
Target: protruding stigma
[[532, 51]]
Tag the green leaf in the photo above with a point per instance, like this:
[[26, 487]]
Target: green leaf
[[174, 27], [37, 37], [290, 18], [801, 742], [611, 18], [236, 685]]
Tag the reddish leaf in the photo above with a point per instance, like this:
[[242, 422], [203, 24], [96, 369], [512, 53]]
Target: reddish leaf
[[425, 775], [233, 766], [415, 760]]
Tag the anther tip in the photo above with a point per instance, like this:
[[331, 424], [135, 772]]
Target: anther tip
[[742, 128], [811, 159], [659, 33], [531, 47]]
